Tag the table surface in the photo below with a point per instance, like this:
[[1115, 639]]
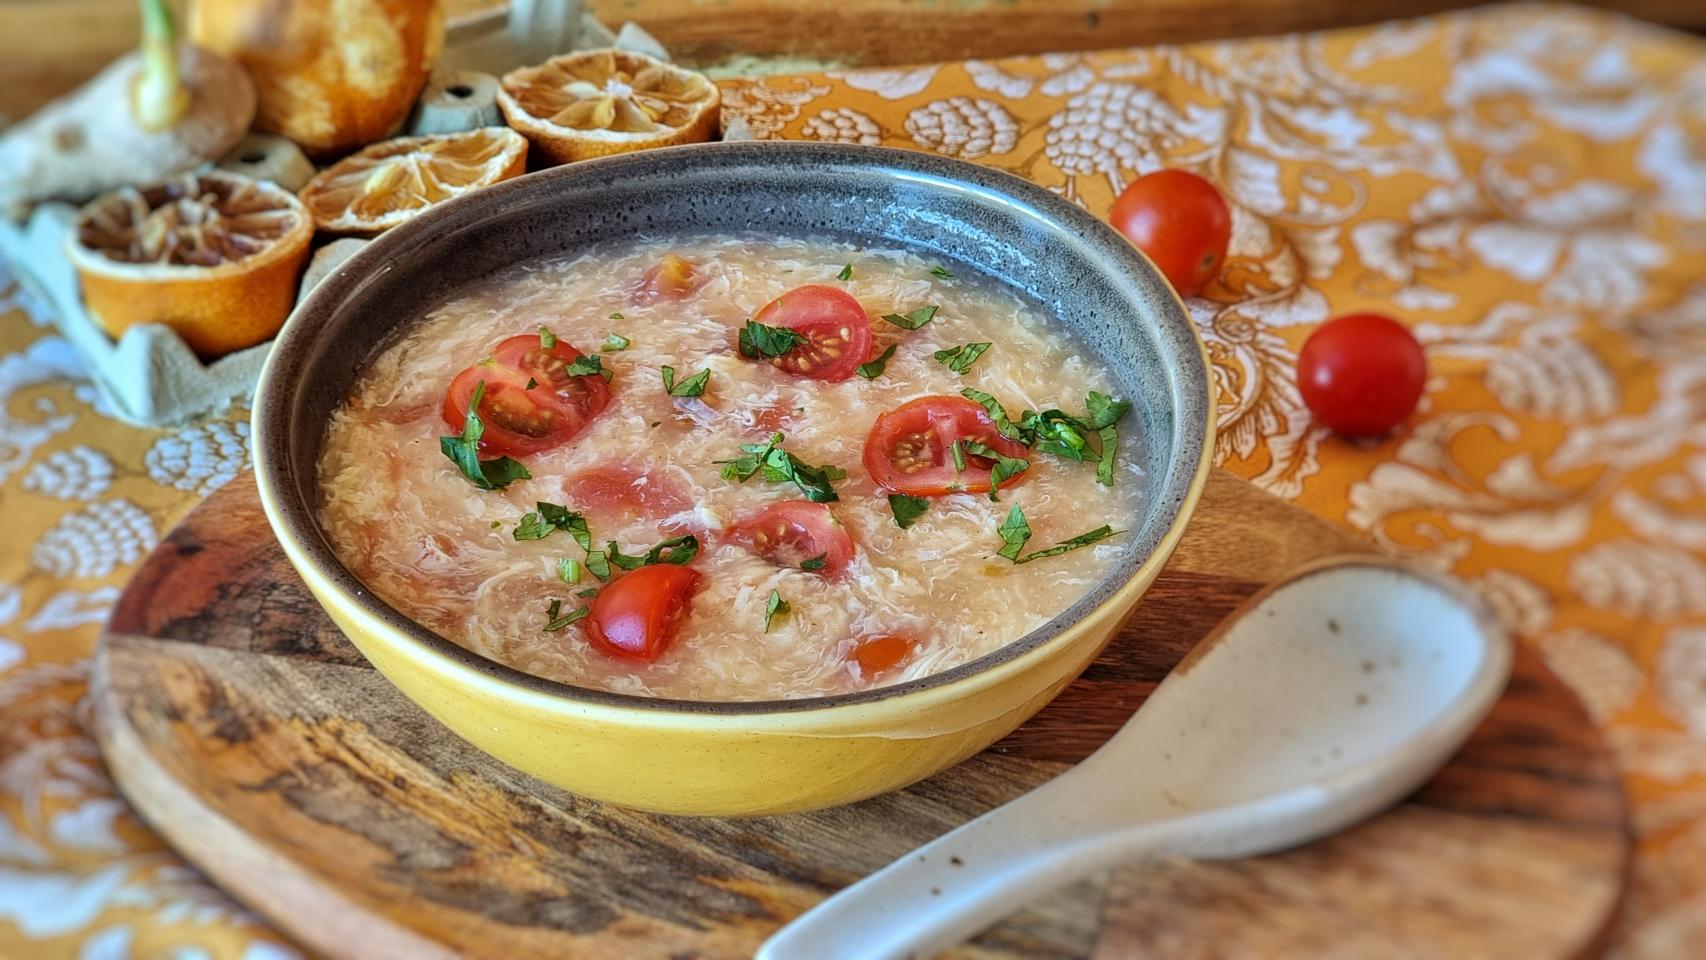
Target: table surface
[[1525, 186], [49, 46]]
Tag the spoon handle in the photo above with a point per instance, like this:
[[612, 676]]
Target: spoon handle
[[960, 883]]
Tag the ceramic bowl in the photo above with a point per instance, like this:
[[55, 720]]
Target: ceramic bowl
[[686, 757]]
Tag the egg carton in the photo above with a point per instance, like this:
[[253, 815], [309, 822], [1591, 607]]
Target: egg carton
[[149, 376]]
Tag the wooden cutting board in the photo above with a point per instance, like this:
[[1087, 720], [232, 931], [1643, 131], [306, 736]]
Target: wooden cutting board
[[246, 729]]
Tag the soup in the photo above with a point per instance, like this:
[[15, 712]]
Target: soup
[[732, 469]]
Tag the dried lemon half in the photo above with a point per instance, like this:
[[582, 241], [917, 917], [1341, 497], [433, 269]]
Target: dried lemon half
[[389, 182], [215, 256], [598, 102]]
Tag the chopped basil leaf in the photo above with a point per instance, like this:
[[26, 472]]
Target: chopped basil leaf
[[615, 342], [940, 273], [547, 339], [676, 550], [587, 594], [617, 316], [617, 557], [598, 563], [1003, 424], [780, 466], [464, 451], [586, 365], [1014, 530], [758, 341], [1082, 540], [531, 383], [1110, 448], [815, 563], [874, 369], [1005, 467], [568, 570], [553, 622], [907, 509], [959, 457], [1058, 433], [846, 273], [959, 359], [550, 516], [913, 320], [775, 607], [1105, 411], [691, 387]]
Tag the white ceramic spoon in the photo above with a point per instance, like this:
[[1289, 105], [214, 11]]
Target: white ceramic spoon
[[1322, 700]]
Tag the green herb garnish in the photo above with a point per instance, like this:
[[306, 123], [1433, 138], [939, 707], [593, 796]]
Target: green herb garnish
[[547, 517], [587, 594], [1005, 467], [775, 607], [759, 341], [1110, 439], [464, 451], [846, 273], [554, 622], [815, 563], [598, 563], [959, 359], [959, 456], [913, 320], [1015, 531], [586, 365], [907, 509], [940, 273], [874, 369], [676, 550], [568, 570], [615, 342], [1003, 424], [780, 466], [691, 387], [617, 316], [547, 339]]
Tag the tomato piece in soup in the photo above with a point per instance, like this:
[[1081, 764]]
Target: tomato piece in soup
[[835, 328], [909, 449], [796, 532], [521, 419]]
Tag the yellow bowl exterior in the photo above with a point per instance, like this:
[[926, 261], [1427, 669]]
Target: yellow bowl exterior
[[731, 763]]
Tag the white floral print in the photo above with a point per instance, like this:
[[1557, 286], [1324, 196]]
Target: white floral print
[[200, 458], [93, 541], [80, 473], [963, 127], [842, 125]]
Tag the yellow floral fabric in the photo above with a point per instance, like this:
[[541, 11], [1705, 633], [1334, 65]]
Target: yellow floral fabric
[[1524, 186]]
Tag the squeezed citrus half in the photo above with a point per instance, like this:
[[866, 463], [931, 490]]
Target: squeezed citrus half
[[598, 102], [387, 183], [215, 256]]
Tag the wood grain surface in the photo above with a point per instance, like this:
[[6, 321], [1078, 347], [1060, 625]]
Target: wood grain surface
[[49, 46], [255, 738]]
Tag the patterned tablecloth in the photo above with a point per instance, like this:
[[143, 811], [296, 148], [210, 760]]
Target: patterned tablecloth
[[1525, 186]]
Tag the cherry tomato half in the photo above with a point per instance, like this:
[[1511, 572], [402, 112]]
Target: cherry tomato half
[[636, 616], [881, 653], [1179, 220], [794, 531], [909, 448], [617, 489], [1361, 373], [518, 420], [836, 328]]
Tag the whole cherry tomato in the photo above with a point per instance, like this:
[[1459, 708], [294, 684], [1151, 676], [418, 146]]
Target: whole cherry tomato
[[1181, 222], [1361, 373]]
